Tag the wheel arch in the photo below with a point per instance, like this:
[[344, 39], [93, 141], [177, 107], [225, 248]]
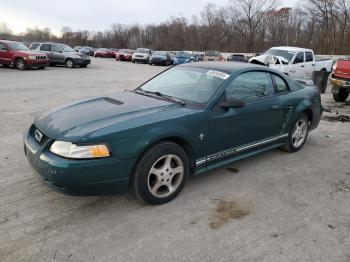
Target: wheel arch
[[179, 140]]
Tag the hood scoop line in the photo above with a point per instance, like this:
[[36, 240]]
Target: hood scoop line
[[113, 101]]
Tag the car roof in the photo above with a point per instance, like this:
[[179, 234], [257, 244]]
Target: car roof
[[291, 48], [229, 67], [9, 41]]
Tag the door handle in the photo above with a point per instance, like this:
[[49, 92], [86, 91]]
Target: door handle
[[275, 107], [302, 66]]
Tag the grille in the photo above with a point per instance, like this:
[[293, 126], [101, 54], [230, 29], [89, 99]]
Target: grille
[[40, 57], [32, 134]]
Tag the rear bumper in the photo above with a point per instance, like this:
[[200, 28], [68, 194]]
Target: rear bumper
[[77, 177], [339, 84]]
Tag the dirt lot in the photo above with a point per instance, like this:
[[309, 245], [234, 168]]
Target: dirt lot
[[272, 207]]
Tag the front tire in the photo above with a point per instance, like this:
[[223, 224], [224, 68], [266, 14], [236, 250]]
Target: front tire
[[341, 96], [20, 64], [297, 135], [70, 63], [160, 174]]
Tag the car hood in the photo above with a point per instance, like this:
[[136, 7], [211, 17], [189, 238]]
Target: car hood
[[30, 52], [266, 59], [76, 121]]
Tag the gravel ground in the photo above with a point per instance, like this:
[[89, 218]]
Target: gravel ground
[[272, 207]]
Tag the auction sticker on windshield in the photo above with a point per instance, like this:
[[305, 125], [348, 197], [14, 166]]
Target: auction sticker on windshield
[[218, 74]]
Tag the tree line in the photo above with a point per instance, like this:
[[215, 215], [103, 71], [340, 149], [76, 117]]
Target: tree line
[[250, 26]]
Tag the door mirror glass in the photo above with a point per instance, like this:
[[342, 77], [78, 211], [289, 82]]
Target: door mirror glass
[[231, 102]]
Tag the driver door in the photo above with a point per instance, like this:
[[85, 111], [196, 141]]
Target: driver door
[[260, 119]]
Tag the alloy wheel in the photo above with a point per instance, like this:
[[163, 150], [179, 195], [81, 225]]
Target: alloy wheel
[[299, 133], [165, 176]]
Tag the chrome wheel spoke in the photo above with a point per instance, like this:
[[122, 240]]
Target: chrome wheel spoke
[[177, 170], [157, 172]]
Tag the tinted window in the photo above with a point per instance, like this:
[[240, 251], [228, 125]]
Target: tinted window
[[45, 47], [299, 58], [2, 47], [281, 85], [251, 86], [309, 57], [55, 48]]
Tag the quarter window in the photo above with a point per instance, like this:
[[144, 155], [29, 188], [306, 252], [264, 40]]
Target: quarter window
[[299, 58], [45, 47], [281, 85], [251, 86]]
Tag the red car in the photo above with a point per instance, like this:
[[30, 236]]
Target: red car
[[20, 56], [105, 52], [340, 79], [124, 55]]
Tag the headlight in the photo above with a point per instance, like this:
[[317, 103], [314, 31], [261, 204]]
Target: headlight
[[32, 57], [69, 150]]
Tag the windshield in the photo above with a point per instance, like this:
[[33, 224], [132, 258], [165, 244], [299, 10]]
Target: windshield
[[288, 55], [212, 53], [196, 85], [67, 48], [125, 51], [142, 50], [182, 55], [17, 46], [160, 53]]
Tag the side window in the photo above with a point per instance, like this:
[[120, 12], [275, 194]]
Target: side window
[[55, 48], [299, 58], [3, 47], [309, 57], [45, 47], [281, 85], [251, 86], [34, 46]]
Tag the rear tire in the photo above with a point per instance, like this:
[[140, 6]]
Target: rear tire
[[133, 61], [341, 96], [297, 135], [160, 174], [20, 64]]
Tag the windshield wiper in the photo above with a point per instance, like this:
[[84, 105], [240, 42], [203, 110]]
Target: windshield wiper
[[159, 94]]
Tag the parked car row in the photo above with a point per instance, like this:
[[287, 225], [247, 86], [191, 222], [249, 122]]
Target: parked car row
[[40, 55]]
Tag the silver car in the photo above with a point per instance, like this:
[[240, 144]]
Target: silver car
[[61, 54]]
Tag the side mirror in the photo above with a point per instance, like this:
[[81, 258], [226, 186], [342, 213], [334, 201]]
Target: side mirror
[[231, 102], [3, 49]]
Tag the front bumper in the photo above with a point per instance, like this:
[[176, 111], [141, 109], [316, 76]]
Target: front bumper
[[37, 63], [158, 62], [80, 62], [76, 177]]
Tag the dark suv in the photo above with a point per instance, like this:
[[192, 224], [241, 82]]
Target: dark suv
[[61, 54]]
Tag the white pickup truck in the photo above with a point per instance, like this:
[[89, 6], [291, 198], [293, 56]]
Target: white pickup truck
[[293, 61]]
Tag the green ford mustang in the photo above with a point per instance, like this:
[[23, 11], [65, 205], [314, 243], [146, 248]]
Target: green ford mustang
[[187, 120]]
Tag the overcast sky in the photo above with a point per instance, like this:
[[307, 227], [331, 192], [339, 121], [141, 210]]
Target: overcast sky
[[97, 15]]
